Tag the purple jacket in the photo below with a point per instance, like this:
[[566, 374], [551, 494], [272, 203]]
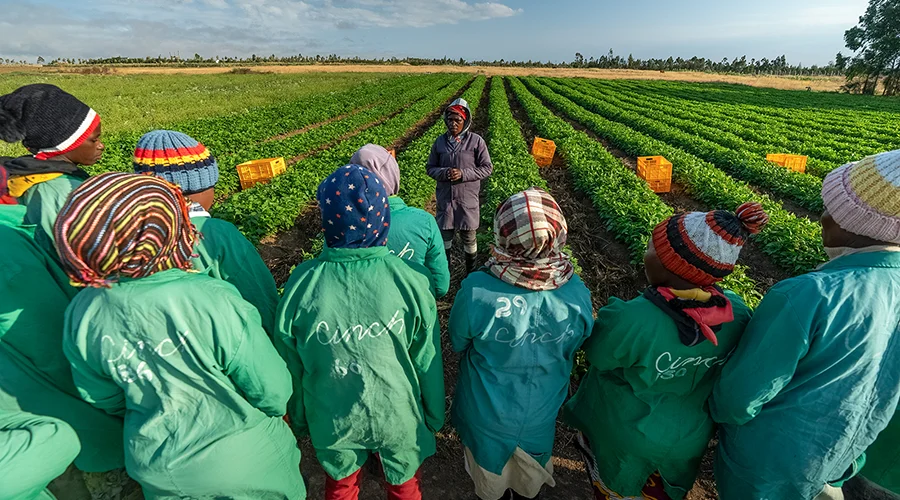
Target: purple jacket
[[458, 203]]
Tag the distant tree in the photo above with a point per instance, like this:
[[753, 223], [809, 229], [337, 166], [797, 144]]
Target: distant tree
[[40, 60], [875, 42]]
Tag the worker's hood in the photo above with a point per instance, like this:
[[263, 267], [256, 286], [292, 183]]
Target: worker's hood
[[465, 104]]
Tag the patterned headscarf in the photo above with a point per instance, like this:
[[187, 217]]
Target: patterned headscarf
[[530, 231], [355, 209], [119, 224]]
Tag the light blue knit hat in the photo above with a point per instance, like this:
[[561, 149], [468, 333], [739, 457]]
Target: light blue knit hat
[[177, 158]]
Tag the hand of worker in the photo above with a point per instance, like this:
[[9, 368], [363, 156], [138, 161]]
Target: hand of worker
[[455, 174]]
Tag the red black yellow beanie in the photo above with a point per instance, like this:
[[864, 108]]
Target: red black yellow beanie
[[48, 120], [702, 248]]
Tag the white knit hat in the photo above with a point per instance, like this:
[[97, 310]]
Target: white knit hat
[[864, 197]]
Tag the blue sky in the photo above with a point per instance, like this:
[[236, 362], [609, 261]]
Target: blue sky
[[807, 31]]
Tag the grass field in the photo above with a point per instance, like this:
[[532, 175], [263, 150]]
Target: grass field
[[717, 136]]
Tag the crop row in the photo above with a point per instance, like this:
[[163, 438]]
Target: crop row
[[741, 163], [416, 187], [793, 243], [874, 126], [514, 168], [824, 153], [303, 144], [229, 133], [826, 150], [269, 208], [625, 203]]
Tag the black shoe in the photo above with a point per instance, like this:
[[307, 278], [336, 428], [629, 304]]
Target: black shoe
[[471, 262]]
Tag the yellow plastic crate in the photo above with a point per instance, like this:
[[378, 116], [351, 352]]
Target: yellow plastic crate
[[657, 171], [797, 163], [255, 171], [543, 151]]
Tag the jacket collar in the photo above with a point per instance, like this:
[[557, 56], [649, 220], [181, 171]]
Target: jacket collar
[[197, 210], [396, 203], [352, 254], [869, 259]]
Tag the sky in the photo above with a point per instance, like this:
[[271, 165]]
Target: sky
[[806, 31]]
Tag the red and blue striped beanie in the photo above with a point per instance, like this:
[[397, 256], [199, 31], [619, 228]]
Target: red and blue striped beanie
[[177, 158], [355, 209]]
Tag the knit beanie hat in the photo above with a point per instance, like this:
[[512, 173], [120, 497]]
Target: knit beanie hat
[[864, 197], [177, 158], [381, 163], [703, 247], [48, 120], [355, 209]]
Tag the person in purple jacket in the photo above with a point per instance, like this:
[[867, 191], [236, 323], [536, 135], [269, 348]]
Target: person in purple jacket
[[459, 161]]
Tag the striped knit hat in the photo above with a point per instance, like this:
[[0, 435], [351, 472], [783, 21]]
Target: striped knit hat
[[864, 197], [177, 158], [118, 224], [702, 248], [48, 120]]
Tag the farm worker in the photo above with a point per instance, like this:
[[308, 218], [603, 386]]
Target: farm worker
[[654, 359], [62, 133], [34, 450], [181, 356], [817, 375], [221, 250], [518, 323], [415, 236], [459, 161], [359, 330], [35, 376]]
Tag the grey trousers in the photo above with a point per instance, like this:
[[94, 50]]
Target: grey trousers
[[470, 242]]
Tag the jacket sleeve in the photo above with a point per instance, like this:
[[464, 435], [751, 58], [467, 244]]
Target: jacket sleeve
[[34, 450], [286, 345], [255, 366], [763, 363], [94, 385], [434, 169], [483, 166], [245, 269], [611, 344], [427, 360], [460, 330], [436, 261]]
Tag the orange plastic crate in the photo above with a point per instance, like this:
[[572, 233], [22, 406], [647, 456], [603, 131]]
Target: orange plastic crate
[[255, 171], [543, 151], [797, 163], [657, 171]]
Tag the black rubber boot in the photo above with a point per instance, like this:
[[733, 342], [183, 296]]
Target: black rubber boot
[[470, 262]]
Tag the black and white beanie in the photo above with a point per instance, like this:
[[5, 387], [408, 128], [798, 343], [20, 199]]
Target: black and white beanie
[[48, 120]]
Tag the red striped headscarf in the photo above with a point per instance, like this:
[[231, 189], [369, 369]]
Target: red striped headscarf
[[127, 225], [530, 231]]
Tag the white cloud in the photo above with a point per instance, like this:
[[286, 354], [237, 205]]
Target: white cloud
[[233, 27]]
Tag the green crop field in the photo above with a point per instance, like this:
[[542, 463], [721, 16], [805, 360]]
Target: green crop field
[[716, 136]]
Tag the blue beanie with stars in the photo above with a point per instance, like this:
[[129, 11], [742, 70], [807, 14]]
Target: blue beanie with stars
[[355, 209]]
